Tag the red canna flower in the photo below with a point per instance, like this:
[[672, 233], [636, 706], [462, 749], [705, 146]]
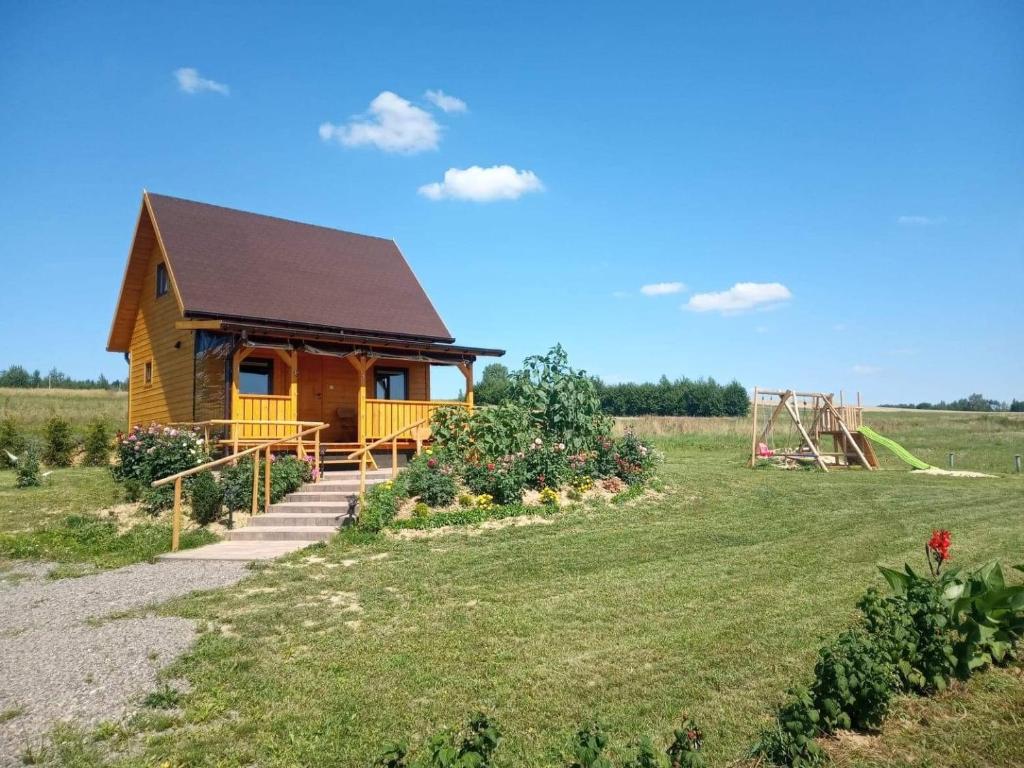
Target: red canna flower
[[937, 549], [490, 466]]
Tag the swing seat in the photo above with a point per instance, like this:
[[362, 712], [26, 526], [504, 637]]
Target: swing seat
[[764, 451]]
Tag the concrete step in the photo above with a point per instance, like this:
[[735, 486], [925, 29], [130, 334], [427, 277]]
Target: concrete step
[[311, 507], [282, 533], [292, 519], [335, 487], [382, 474], [308, 496]]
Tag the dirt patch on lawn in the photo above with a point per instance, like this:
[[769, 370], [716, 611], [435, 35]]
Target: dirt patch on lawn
[[949, 472], [409, 534]]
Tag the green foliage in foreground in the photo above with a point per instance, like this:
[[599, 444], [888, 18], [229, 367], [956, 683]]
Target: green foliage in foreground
[[83, 538], [929, 630]]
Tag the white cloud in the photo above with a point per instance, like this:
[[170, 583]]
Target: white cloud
[[445, 102], [916, 221], [190, 81], [392, 124], [662, 289], [740, 297], [482, 185], [865, 370]]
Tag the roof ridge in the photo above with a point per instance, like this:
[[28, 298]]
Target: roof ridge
[[148, 193]]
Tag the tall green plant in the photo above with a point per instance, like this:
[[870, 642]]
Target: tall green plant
[[12, 442], [562, 402], [59, 442]]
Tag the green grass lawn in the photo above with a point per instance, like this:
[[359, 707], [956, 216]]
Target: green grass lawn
[[67, 520], [710, 600]]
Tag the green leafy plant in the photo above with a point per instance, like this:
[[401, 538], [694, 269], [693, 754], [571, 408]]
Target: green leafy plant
[[472, 747], [287, 474], [12, 442], [97, 444], [28, 475], [791, 739], [852, 684], [588, 746], [164, 697], [432, 480], [58, 442], [379, 506], [563, 403], [685, 751], [206, 498], [503, 479], [635, 461]]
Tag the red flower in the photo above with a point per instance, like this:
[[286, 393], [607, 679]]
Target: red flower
[[490, 466], [431, 463], [938, 544]]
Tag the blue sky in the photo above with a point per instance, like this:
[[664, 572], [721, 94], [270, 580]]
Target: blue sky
[[859, 164]]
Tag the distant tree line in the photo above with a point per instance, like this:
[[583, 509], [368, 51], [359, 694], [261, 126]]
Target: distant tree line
[[682, 397], [974, 402], [19, 377]]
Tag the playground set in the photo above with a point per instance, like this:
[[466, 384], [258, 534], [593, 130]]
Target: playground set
[[813, 429]]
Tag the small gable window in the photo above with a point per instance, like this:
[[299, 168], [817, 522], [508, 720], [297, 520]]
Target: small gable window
[[162, 283], [256, 377], [147, 372]]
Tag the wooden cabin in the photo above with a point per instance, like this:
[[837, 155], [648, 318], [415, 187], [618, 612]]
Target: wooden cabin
[[251, 325]]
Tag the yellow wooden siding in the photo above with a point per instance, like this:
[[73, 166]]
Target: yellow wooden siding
[[154, 338], [385, 417]]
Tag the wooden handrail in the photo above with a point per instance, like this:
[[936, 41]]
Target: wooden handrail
[[265, 446], [362, 453]]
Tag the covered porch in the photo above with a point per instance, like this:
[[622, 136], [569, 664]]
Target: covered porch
[[257, 387]]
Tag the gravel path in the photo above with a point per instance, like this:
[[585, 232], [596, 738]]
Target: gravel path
[[58, 663]]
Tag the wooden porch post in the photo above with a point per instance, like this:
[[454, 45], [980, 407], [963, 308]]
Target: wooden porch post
[[362, 365], [467, 371], [236, 402]]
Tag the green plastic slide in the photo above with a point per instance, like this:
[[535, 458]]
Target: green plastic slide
[[901, 453]]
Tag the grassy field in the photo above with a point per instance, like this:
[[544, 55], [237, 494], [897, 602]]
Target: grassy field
[[30, 408], [710, 600]]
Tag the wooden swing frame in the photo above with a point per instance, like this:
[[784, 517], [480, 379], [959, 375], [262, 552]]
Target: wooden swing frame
[[828, 419]]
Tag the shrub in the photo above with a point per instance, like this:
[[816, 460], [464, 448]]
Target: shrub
[[420, 511], [547, 464], [97, 444], [380, 504], [588, 746], [147, 454], [58, 442], [206, 498], [432, 480], [12, 442], [852, 683], [635, 461], [287, 474], [503, 480], [465, 500], [791, 740], [499, 431], [686, 746], [28, 469], [473, 747]]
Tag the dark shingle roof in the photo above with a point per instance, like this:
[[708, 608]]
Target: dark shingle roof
[[229, 263]]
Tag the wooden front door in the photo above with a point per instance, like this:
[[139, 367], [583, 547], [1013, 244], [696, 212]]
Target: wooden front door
[[327, 393]]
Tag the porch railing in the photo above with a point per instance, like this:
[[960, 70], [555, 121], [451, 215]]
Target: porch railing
[[262, 417], [265, 447], [384, 417]]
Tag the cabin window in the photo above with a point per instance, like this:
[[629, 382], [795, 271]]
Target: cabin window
[[392, 383], [162, 283], [256, 377], [147, 372]]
